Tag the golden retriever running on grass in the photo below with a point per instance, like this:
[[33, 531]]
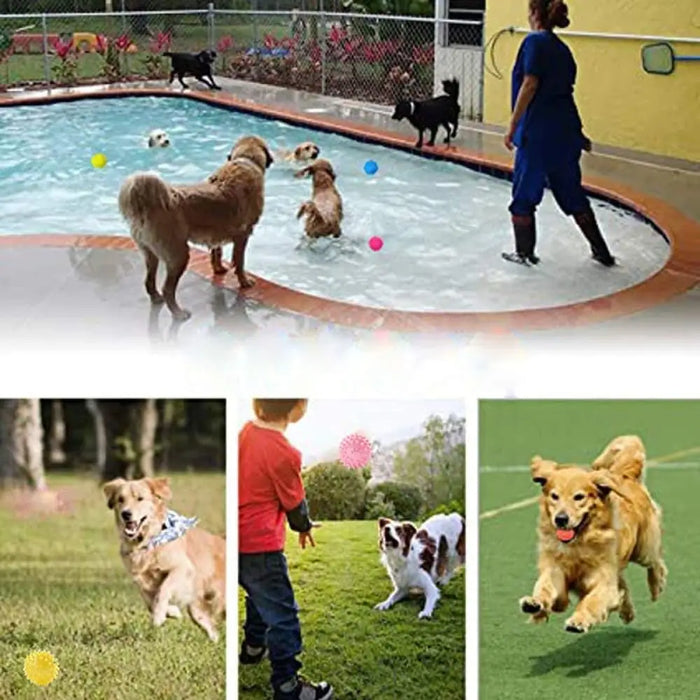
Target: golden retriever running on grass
[[591, 525], [174, 564]]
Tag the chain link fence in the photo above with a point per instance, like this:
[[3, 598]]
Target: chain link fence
[[370, 58]]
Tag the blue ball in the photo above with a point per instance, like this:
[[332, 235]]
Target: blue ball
[[371, 167]]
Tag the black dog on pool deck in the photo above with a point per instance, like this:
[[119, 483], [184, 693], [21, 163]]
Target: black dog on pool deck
[[430, 114], [198, 65]]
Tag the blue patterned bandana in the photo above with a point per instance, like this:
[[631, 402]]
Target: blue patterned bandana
[[175, 526]]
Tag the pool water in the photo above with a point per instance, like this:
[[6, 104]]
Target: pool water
[[443, 225]]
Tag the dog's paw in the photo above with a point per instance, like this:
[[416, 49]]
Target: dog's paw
[[213, 635], [530, 606], [181, 314], [159, 618], [156, 299], [576, 625], [382, 606], [627, 614], [424, 615], [245, 282], [656, 578], [174, 612]]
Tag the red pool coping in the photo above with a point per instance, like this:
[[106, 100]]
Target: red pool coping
[[680, 273]]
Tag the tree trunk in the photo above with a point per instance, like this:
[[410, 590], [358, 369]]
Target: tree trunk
[[21, 444], [100, 436], [165, 433], [57, 433], [147, 427]]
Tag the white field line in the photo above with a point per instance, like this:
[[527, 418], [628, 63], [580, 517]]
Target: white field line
[[663, 462]]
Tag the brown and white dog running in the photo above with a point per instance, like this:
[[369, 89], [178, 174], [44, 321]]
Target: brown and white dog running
[[174, 564], [421, 558], [324, 211]]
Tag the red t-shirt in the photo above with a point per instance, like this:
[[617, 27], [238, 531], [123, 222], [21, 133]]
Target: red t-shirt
[[269, 485]]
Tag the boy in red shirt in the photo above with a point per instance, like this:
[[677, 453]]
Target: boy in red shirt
[[270, 491]]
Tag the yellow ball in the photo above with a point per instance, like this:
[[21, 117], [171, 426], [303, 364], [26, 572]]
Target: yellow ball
[[99, 160], [40, 667]]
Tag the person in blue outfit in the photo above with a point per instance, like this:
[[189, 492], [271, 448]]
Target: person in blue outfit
[[546, 129]]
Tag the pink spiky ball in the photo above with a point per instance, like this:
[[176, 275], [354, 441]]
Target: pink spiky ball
[[355, 451]]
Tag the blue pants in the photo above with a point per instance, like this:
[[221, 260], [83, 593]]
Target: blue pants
[[271, 612], [534, 169]]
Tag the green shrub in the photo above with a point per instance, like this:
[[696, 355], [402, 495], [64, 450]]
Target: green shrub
[[334, 492], [446, 509], [377, 507], [405, 499]]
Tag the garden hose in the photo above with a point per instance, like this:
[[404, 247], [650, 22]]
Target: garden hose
[[489, 48]]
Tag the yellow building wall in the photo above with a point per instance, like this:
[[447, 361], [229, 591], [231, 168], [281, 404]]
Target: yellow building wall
[[620, 104]]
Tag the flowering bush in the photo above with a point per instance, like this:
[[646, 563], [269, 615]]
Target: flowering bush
[[155, 61], [66, 70], [113, 69], [223, 47]]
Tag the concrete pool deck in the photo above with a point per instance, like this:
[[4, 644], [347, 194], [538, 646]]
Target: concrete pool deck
[[671, 301]]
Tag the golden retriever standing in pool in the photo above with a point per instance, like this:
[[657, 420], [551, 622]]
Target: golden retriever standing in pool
[[324, 211], [164, 218], [591, 525], [174, 563]]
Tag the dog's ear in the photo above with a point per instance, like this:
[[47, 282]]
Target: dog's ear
[[160, 488], [541, 469], [605, 482], [110, 489], [409, 530], [383, 522]]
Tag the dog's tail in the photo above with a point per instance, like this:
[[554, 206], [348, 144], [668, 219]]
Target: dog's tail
[[451, 88], [143, 194], [624, 456]]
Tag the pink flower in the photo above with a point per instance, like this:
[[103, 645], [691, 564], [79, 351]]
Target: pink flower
[[63, 48], [122, 42], [161, 42], [270, 41], [224, 44], [101, 43], [423, 55]]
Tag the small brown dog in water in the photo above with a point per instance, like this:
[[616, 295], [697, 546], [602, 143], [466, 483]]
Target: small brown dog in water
[[303, 153], [324, 211], [591, 525], [174, 564], [164, 218]]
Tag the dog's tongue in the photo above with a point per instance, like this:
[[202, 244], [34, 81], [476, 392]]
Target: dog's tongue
[[565, 535]]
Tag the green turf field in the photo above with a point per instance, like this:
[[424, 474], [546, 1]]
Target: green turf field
[[63, 589], [656, 655], [363, 653]]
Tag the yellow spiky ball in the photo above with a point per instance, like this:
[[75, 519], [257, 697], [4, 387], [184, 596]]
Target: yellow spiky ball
[[40, 667]]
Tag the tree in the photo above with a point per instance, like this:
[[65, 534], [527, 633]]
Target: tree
[[57, 433], [21, 444], [435, 461], [129, 428]]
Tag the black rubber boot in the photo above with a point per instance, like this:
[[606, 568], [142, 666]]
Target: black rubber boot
[[525, 238], [586, 221]]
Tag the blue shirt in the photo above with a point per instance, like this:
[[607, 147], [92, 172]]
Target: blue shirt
[[551, 121]]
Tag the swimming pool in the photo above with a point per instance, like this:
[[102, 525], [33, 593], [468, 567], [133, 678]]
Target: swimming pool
[[443, 225]]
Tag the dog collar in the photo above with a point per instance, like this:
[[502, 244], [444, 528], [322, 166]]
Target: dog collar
[[412, 107], [174, 527]]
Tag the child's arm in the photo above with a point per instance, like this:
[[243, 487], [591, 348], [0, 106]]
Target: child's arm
[[298, 517]]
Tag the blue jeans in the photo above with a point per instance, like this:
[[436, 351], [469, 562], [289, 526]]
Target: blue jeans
[[271, 612]]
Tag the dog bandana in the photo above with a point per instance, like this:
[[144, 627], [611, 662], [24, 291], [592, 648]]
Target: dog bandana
[[175, 526]]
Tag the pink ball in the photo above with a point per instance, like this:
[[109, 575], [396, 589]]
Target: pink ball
[[355, 451], [376, 243]]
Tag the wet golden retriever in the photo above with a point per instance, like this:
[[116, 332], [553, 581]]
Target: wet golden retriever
[[188, 571], [592, 523], [164, 218], [303, 153], [324, 211]]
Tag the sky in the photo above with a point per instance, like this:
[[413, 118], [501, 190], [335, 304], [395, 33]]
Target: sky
[[327, 422]]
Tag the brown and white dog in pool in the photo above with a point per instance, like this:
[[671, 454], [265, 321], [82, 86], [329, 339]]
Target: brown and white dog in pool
[[174, 564], [421, 558]]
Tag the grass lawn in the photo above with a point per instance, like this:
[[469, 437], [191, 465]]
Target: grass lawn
[[363, 653], [63, 589], [655, 655]]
